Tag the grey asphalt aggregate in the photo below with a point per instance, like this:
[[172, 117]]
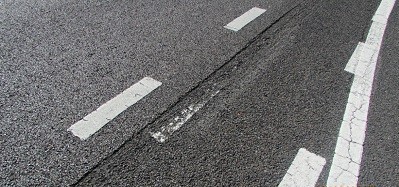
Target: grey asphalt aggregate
[[60, 60], [281, 79], [288, 93]]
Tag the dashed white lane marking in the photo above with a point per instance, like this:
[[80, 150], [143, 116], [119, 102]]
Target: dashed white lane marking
[[304, 170], [244, 19], [349, 149], [108, 111], [178, 121]]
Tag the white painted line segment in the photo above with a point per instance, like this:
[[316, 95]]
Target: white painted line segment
[[178, 121], [109, 110], [363, 60], [383, 11], [244, 19], [304, 170], [353, 61], [345, 167]]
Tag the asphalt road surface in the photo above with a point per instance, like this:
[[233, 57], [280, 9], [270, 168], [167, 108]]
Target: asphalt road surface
[[235, 108]]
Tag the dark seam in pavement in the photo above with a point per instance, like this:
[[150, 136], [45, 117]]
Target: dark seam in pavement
[[299, 6]]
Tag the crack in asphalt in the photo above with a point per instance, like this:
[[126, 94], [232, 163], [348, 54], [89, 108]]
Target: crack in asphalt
[[272, 32]]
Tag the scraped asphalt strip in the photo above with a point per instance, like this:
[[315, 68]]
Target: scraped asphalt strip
[[349, 148], [306, 167], [244, 19], [108, 111], [178, 121], [304, 170]]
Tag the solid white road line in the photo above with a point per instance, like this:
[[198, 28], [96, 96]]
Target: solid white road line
[[304, 170], [244, 19], [349, 149], [108, 111], [178, 121]]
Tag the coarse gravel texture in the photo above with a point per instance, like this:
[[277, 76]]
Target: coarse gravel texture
[[60, 60], [289, 93]]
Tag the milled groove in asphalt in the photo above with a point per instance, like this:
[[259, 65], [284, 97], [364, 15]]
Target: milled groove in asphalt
[[304, 170], [109, 110], [244, 19], [349, 148], [229, 72], [220, 78]]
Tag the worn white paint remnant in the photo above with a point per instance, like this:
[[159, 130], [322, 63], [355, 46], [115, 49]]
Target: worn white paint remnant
[[178, 121]]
